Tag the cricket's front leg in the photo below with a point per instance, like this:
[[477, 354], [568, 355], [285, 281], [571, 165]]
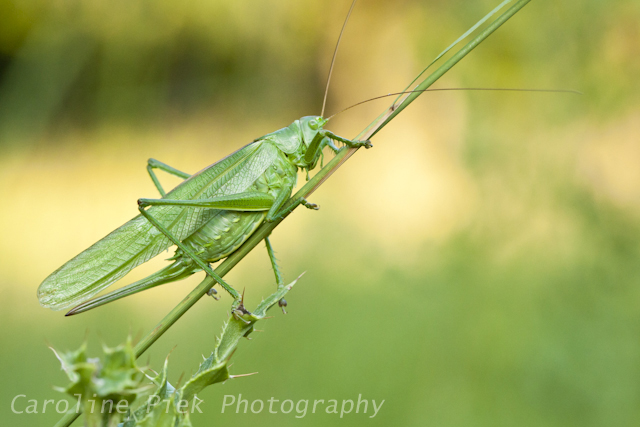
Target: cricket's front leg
[[348, 142]]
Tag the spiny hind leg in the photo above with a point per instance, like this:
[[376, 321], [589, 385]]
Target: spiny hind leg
[[276, 270], [188, 252], [156, 164], [242, 202], [252, 201]]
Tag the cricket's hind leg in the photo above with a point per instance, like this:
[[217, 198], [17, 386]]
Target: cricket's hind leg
[[251, 201], [188, 252]]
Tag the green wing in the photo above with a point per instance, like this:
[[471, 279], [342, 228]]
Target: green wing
[[137, 241]]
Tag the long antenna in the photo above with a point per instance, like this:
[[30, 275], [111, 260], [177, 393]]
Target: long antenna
[[333, 60], [457, 88]]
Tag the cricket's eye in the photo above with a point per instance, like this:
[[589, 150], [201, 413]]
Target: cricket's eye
[[313, 124]]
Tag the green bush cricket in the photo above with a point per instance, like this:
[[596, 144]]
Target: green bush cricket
[[208, 216]]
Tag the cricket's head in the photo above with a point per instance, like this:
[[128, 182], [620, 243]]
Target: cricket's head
[[302, 141], [311, 126], [313, 140]]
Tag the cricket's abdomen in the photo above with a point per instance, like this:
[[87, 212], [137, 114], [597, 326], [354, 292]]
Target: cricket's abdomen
[[227, 230], [223, 234]]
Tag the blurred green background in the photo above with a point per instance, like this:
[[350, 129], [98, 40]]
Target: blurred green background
[[479, 266]]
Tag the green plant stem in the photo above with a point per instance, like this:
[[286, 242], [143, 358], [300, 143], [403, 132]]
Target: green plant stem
[[451, 62], [343, 155]]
